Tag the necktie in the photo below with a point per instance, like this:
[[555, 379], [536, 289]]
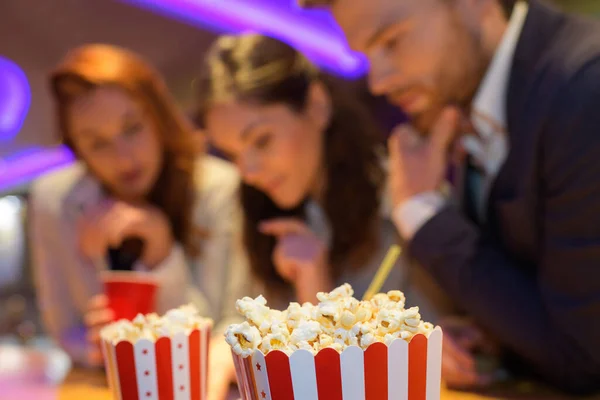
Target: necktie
[[485, 142], [474, 189]]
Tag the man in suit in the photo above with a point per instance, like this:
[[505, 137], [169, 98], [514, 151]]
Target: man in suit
[[518, 87]]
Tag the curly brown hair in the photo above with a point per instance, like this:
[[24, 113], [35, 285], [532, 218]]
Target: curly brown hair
[[260, 70], [91, 66]]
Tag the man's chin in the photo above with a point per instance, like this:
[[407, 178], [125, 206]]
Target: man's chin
[[424, 122]]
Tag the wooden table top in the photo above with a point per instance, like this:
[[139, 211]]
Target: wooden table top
[[31, 375], [87, 385]]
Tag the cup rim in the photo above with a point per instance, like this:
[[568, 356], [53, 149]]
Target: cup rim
[[128, 277]]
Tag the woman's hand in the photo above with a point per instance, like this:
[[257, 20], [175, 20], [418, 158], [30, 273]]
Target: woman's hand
[[91, 231], [111, 222], [97, 316], [300, 257], [221, 363]]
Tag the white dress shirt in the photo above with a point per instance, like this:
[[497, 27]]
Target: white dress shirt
[[490, 148]]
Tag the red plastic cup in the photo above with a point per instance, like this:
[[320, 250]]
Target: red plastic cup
[[129, 293]]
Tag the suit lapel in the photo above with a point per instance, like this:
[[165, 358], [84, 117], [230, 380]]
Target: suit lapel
[[524, 116], [514, 193]]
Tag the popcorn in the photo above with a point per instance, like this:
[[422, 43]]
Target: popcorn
[[325, 341], [243, 338], [367, 340], [406, 335], [255, 310], [337, 347], [338, 321], [380, 300], [412, 320], [306, 331], [364, 312], [274, 341], [349, 304], [139, 320], [280, 328], [390, 337], [389, 320], [304, 345], [163, 348], [426, 328], [297, 313], [347, 320], [328, 313], [152, 327], [338, 293], [341, 336], [271, 319], [397, 296]]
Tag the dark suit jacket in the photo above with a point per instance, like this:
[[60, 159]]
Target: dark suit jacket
[[531, 275]]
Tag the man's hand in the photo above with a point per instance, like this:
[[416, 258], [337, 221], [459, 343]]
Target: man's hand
[[462, 340], [418, 163]]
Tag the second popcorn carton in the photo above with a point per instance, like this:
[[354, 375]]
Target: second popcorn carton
[[158, 358], [340, 349]]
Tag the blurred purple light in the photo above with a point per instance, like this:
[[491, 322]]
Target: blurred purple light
[[15, 97], [20, 168], [312, 32]]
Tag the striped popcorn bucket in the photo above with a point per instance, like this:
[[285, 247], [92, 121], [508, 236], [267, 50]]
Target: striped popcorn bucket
[[401, 371], [169, 369]]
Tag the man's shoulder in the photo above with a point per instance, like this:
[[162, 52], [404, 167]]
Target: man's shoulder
[[557, 63], [555, 46], [574, 63], [577, 45]]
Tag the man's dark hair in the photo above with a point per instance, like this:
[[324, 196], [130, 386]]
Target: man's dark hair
[[314, 3], [507, 5]]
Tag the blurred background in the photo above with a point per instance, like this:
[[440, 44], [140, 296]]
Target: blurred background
[[173, 35]]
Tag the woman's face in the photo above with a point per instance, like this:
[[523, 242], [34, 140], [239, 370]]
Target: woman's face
[[276, 149], [117, 139]]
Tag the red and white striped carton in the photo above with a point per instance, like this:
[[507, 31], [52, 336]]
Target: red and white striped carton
[[401, 371], [174, 368]]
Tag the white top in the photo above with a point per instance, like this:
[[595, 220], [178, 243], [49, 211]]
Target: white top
[[66, 280], [488, 116]]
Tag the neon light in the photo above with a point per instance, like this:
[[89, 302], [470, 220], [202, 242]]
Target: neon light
[[15, 97], [19, 169], [312, 32]]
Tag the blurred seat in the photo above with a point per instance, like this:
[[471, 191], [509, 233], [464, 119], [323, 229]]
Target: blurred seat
[[18, 316], [39, 364]]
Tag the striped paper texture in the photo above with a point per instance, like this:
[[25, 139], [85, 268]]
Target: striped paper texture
[[401, 371], [170, 369]]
